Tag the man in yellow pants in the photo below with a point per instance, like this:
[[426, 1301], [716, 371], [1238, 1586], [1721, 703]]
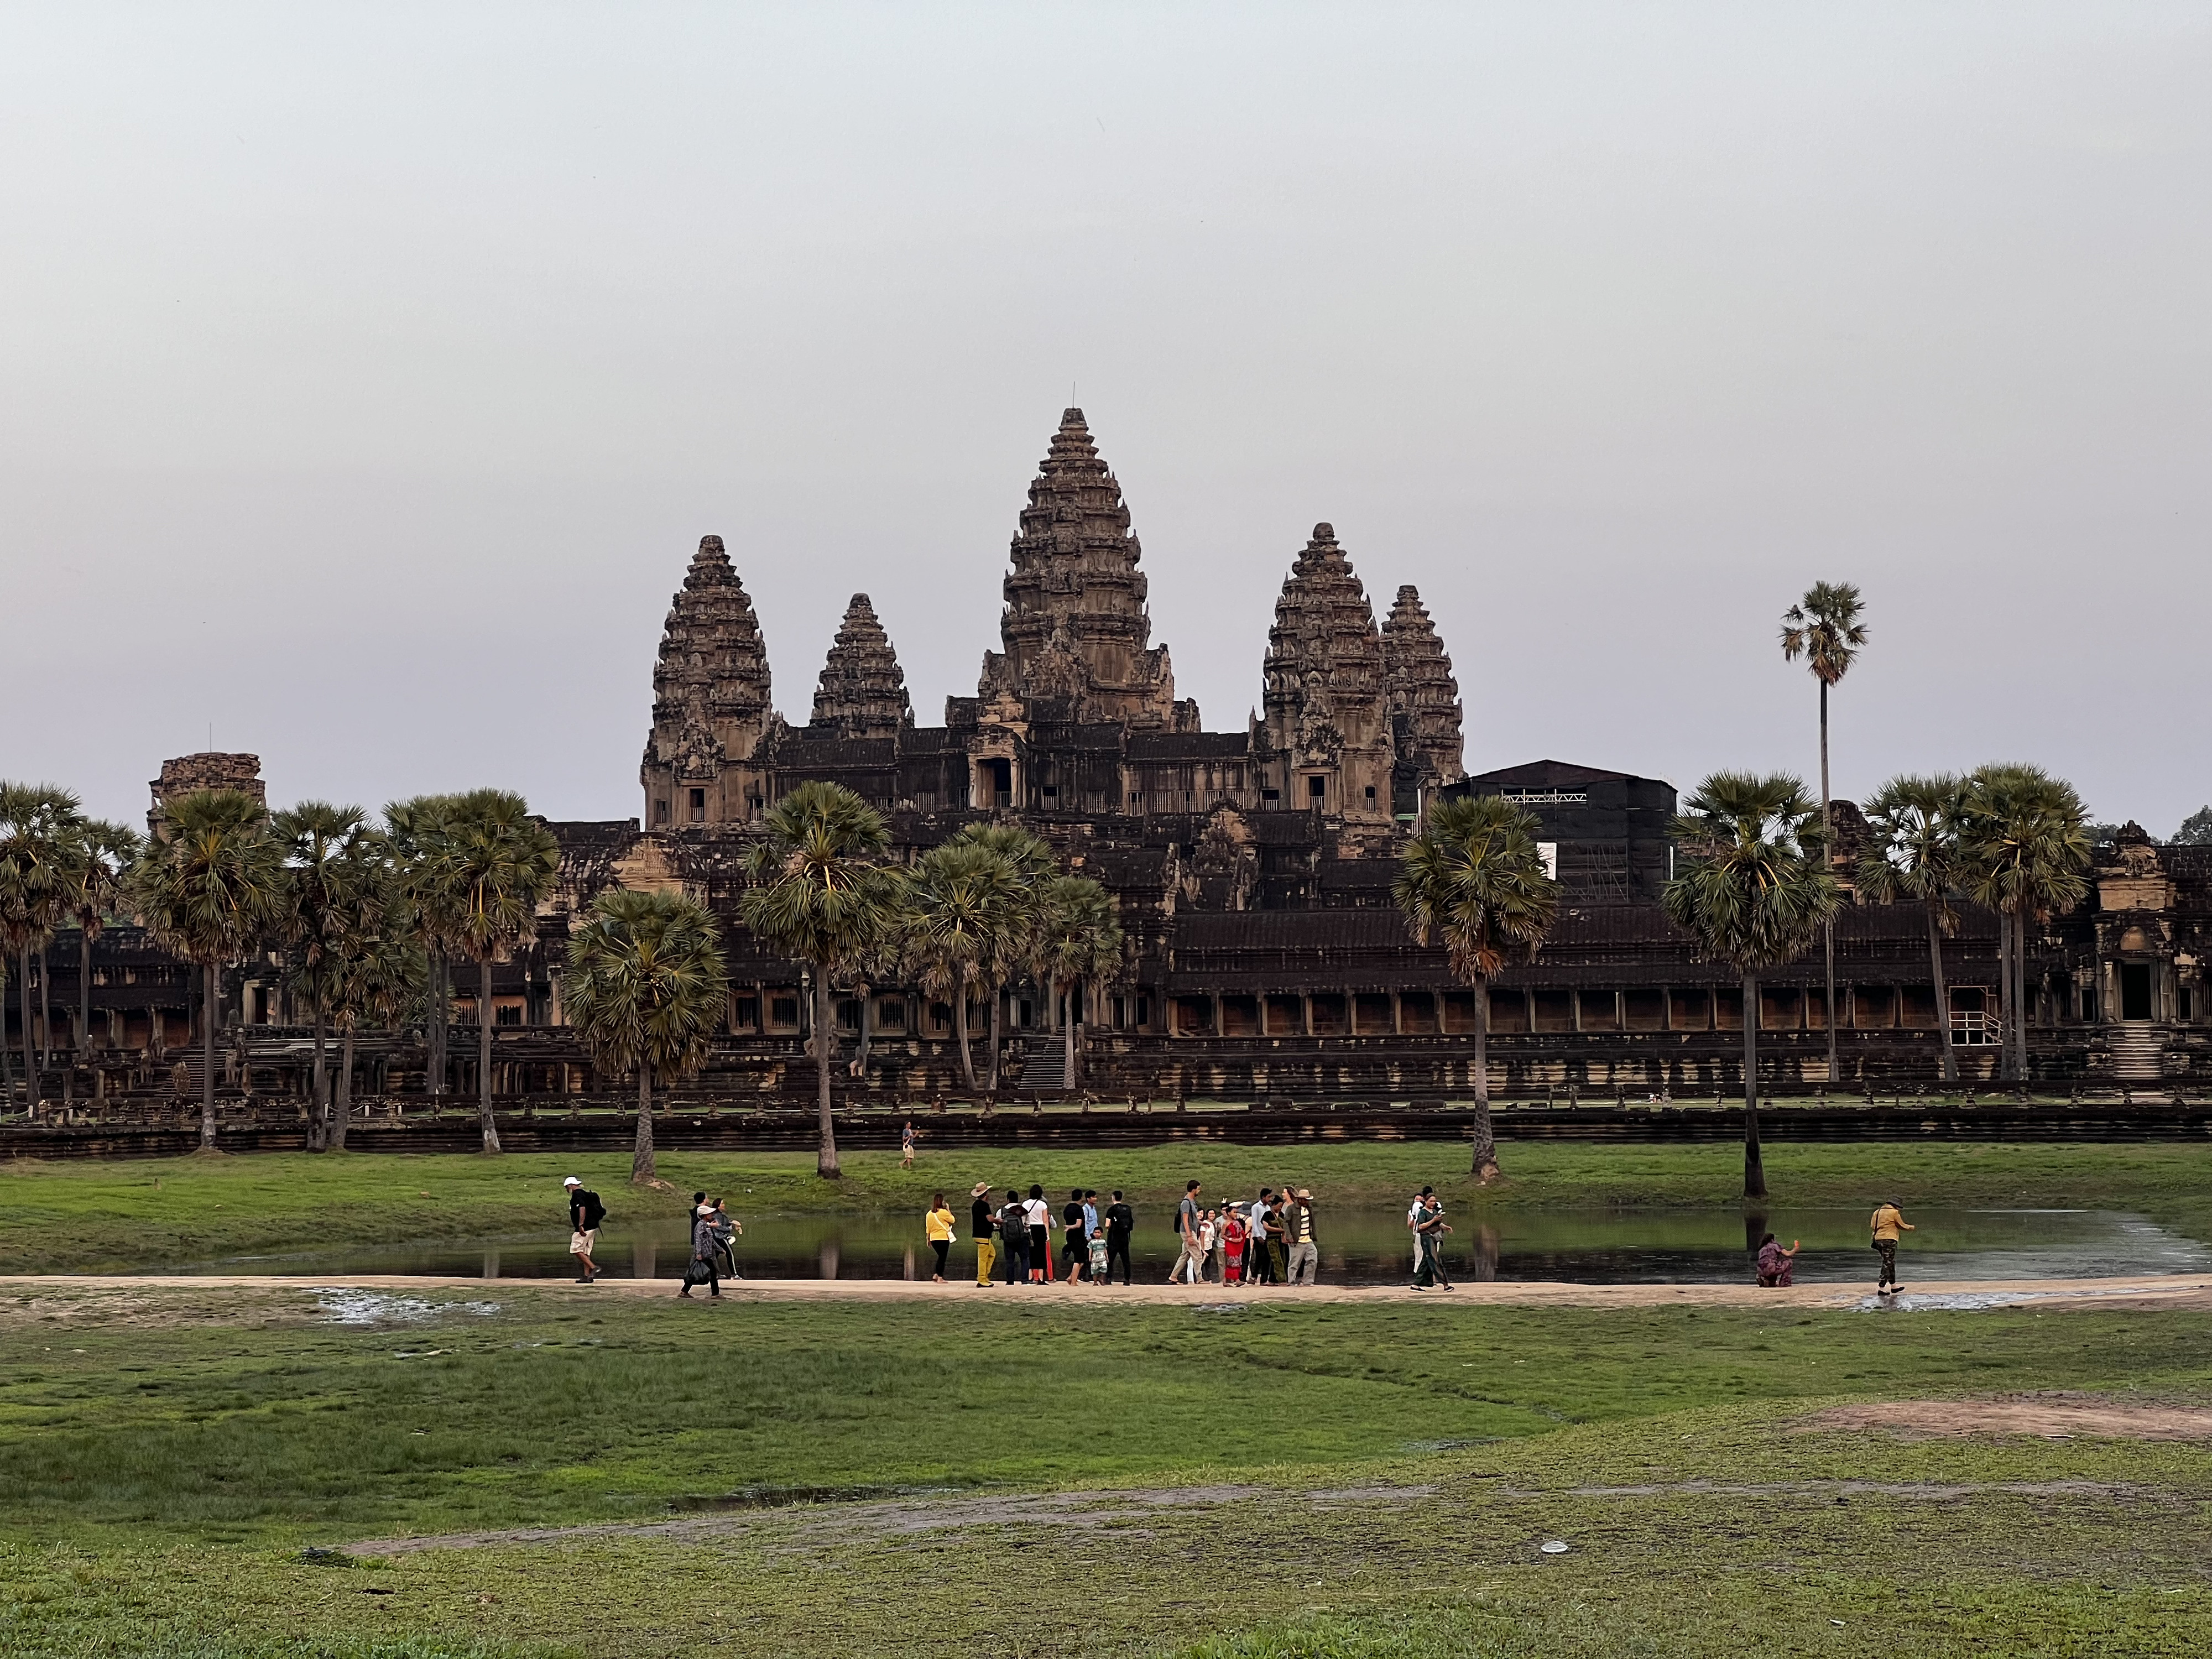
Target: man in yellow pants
[[982, 1219], [1888, 1222]]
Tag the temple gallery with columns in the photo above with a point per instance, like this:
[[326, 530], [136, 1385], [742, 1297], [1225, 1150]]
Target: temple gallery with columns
[[1252, 869]]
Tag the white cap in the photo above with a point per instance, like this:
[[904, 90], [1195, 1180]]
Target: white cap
[[572, 1181]]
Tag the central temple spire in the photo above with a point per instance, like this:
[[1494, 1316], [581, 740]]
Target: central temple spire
[[1075, 623]]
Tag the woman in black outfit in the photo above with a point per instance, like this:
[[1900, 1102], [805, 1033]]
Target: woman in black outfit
[[1040, 1215], [1075, 1242]]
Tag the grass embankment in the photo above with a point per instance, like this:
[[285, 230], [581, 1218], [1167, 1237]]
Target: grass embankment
[[165, 1457], [83, 1215]]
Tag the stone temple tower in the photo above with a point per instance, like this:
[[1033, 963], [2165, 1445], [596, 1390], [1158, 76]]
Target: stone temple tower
[[1075, 623], [862, 692], [711, 713], [1424, 706], [1326, 704]]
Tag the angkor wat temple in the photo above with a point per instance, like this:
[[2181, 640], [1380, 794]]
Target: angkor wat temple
[[1253, 870]]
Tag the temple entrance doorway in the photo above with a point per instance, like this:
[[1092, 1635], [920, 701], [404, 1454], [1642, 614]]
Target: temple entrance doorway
[[2135, 990]]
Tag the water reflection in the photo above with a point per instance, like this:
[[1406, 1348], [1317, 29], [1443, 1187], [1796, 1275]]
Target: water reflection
[[1371, 1248]]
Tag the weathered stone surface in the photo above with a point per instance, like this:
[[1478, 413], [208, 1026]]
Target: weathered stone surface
[[1075, 623], [1424, 706], [189, 774], [1325, 703], [862, 692], [710, 689]]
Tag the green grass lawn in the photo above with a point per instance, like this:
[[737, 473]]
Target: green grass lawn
[[86, 1215], [166, 1457]]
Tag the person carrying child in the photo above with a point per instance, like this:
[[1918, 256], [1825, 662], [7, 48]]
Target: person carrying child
[[1234, 1238]]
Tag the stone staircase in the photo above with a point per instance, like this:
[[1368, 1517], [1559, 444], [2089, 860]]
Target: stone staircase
[[2138, 1053], [1044, 1067]]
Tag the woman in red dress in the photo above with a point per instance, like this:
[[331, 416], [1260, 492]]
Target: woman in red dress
[[1233, 1238]]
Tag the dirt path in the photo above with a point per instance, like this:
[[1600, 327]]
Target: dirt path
[[2176, 1291]]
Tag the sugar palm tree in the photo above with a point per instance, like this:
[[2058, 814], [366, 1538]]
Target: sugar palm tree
[[1915, 854], [1752, 889], [42, 853], [820, 895], [1079, 941], [1824, 628], [210, 889], [2026, 839], [331, 898], [1474, 883], [492, 863], [646, 989], [1015, 935], [414, 830], [376, 979], [962, 902], [108, 851]]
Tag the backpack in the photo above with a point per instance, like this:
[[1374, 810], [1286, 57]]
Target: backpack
[[1014, 1224]]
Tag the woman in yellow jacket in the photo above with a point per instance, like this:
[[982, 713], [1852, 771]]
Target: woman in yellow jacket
[[939, 1225]]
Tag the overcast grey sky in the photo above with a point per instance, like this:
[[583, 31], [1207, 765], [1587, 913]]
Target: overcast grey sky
[[371, 373]]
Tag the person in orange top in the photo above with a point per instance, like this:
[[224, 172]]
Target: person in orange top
[[938, 1224], [1888, 1222]]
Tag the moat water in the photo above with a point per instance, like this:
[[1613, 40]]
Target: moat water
[[1598, 1247]]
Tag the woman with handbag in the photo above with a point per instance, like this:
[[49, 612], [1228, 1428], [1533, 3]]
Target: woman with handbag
[[938, 1224]]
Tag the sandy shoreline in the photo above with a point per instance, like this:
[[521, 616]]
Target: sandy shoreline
[[2173, 1290]]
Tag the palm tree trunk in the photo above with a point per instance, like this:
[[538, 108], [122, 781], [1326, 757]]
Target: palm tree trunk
[[1828, 862], [2004, 990], [318, 1088], [1067, 1030], [1942, 995], [867, 1032], [1485, 1143], [83, 989], [46, 1012], [30, 1057], [484, 1053], [991, 1082], [960, 1029], [825, 1160], [341, 1107], [2020, 991], [641, 1152], [433, 1019], [208, 992], [1754, 1170]]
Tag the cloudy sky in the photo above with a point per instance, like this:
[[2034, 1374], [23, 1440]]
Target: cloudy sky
[[371, 373]]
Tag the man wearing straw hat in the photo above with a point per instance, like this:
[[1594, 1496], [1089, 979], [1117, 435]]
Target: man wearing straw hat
[[1298, 1226]]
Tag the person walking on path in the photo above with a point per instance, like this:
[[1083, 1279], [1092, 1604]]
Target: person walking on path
[[1187, 1224], [1413, 1222], [1074, 1248], [724, 1228], [1120, 1222], [983, 1222], [938, 1225], [1298, 1224], [585, 1212], [1279, 1242], [1014, 1237], [702, 1268], [1095, 1242], [1432, 1231], [1234, 1238], [906, 1146], [1775, 1263], [1038, 1215], [1888, 1222]]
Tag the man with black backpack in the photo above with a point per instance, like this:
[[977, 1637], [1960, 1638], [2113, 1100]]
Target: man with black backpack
[[585, 1212]]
